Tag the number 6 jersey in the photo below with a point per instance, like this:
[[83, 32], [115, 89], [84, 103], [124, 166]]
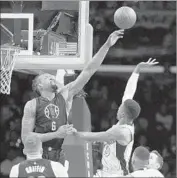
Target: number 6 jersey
[[50, 115]]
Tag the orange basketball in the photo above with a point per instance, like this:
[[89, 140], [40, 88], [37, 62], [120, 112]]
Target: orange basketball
[[125, 17]]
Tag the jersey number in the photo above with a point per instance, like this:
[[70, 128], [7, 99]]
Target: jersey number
[[54, 126]]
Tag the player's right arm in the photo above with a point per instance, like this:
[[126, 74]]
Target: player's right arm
[[28, 124], [133, 80]]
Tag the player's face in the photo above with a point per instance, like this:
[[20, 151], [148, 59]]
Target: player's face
[[153, 161], [48, 82]]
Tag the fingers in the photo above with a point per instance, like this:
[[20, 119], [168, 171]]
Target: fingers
[[119, 32], [152, 61], [70, 130], [121, 36], [149, 60]]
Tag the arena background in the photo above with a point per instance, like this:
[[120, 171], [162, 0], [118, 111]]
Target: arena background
[[153, 36]]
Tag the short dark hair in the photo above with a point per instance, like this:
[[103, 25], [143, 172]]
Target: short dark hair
[[142, 153], [35, 83], [132, 108], [159, 158]]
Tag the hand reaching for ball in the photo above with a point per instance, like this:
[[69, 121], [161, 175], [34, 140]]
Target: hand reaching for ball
[[113, 37]]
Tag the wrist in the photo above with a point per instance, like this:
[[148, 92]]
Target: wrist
[[137, 69], [107, 45], [56, 134]]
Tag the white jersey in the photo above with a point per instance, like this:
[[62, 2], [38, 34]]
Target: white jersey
[[149, 173], [117, 163]]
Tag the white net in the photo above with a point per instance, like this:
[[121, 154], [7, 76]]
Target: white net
[[8, 56]]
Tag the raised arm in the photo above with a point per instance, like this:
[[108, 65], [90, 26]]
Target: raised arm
[[28, 124], [133, 80], [94, 64]]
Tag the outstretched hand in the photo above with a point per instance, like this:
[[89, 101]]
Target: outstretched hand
[[113, 37], [150, 62]]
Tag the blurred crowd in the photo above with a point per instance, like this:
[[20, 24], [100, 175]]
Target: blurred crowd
[[154, 32]]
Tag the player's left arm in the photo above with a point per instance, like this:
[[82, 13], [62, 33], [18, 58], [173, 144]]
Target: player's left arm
[[14, 171], [93, 65], [133, 80]]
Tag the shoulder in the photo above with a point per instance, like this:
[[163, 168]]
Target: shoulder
[[139, 173], [30, 106], [115, 129], [128, 128], [122, 129], [126, 134], [122, 134], [30, 103], [14, 171], [155, 172]]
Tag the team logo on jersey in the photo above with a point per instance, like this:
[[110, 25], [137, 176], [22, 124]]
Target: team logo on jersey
[[51, 111], [106, 150]]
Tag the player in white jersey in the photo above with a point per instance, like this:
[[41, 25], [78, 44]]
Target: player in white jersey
[[155, 160], [116, 155], [140, 164], [35, 166]]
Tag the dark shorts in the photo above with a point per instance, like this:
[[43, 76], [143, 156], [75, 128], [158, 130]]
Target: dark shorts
[[57, 155]]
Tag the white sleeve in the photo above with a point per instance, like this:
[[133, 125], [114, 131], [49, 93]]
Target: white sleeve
[[131, 87], [59, 170], [14, 171]]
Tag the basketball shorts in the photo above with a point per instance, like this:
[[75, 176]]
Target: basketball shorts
[[56, 155]]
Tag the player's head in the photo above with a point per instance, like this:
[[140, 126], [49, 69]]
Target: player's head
[[129, 110], [140, 158], [155, 160], [45, 82], [32, 145]]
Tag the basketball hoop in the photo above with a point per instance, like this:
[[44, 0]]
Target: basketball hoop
[[8, 56]]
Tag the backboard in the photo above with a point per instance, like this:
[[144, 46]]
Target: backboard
[[53, 34]]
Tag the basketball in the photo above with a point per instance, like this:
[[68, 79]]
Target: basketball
[[125, 17]]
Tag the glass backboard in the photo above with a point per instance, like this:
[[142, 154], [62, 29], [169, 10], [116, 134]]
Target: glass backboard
[[52, 34]]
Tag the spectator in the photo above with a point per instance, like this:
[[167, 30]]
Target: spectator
[[94, 92], [163, 117]]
